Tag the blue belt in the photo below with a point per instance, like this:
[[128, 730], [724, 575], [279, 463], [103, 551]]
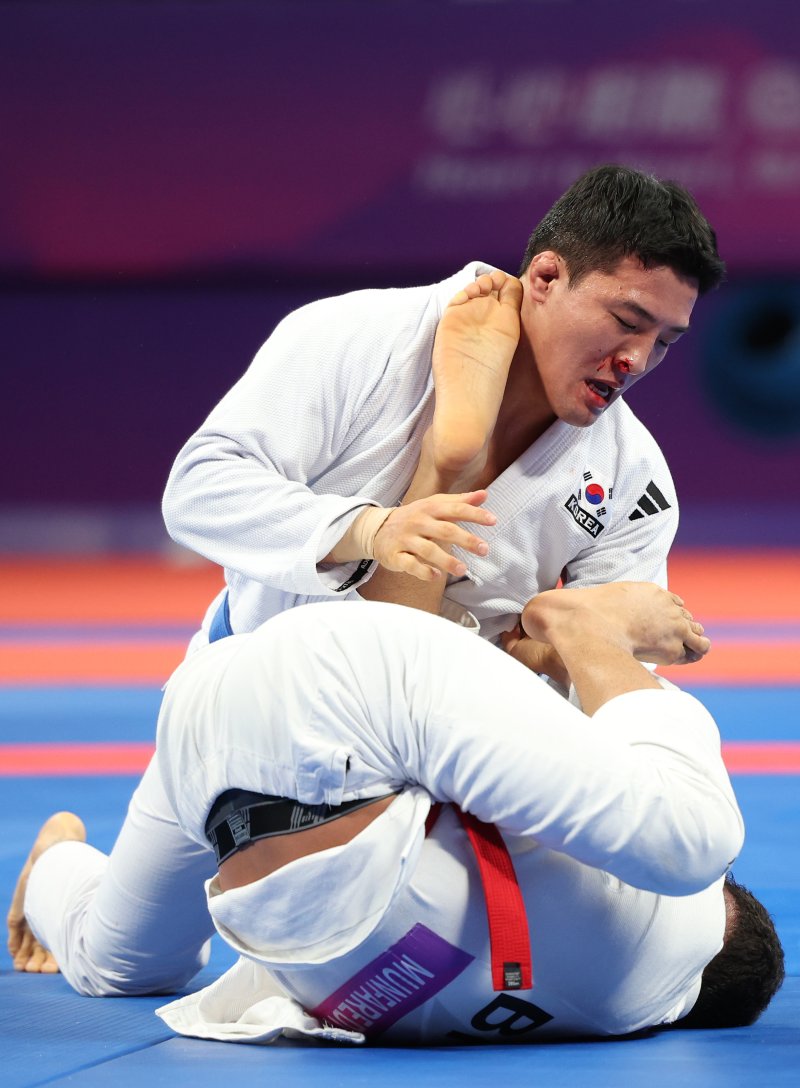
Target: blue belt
[[221, 623]]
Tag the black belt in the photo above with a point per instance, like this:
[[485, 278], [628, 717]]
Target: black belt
[[239, 817]]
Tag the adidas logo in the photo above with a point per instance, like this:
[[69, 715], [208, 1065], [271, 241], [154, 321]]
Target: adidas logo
[[650, 503]]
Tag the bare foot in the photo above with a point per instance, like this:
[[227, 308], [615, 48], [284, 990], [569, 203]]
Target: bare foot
[[650, 623], [27, 953], [475, 343]]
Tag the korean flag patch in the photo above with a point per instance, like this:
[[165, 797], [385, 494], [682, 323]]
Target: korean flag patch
[[590, 503]]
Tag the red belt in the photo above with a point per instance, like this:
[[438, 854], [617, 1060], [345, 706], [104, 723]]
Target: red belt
[[509, 938]]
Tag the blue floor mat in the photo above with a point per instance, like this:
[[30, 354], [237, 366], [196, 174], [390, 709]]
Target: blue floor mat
[[48, 1035]]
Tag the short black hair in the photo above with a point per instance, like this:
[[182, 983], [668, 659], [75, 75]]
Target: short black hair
[[745, 975], [613, 212]]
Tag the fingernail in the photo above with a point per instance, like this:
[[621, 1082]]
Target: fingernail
[[483, 548]]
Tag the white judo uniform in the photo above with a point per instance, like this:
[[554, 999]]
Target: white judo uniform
[[329, 418], [620, 826]]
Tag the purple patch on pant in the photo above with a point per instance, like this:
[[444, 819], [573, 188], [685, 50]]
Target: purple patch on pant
[[401, 979]]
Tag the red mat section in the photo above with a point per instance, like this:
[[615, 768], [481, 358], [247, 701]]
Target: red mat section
[[79, 598], [64, 760], [86, 596], [145, 590]]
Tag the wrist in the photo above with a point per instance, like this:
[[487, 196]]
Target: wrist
[[359, 540]]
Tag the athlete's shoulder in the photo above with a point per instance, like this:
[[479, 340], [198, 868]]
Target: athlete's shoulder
[[374, 305], [621, 428], [622, 453]]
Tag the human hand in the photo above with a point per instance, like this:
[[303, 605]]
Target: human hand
[[416, 538], [540, 657]]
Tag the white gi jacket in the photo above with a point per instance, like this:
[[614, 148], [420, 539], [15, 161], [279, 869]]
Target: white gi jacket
[[608, 959], [620, 826], [330, 416]]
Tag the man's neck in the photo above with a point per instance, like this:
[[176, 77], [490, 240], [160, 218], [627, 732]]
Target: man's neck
[[524, 416]]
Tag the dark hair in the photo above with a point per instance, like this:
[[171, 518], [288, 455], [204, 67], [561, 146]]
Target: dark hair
[[745, 975], [613, 212]]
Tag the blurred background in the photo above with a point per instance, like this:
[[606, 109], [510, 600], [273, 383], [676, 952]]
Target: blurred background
[[176, 176]]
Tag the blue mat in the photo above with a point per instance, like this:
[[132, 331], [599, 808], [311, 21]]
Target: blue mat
[[48, 1035]]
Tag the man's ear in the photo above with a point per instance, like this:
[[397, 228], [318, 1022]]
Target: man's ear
[[545, 270]]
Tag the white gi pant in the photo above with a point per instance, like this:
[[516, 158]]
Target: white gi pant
[[333, 704]]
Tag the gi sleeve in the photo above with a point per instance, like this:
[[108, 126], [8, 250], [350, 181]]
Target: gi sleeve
[[247, 490]]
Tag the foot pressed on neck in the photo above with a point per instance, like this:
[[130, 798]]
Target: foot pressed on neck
[[475, 343]]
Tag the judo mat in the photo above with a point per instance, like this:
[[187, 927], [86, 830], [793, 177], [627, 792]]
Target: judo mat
[[84, 649]]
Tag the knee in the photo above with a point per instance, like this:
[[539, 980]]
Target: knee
[[117, 977]]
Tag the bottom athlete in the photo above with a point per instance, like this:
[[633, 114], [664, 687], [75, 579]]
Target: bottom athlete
[[351, 921]]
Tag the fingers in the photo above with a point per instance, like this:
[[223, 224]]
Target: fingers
[[475, 498], [417, 539], [26, 952], [428, 561], [437, 521], [510, 639], [531, 653], [539, 657], [407, 563], [24, 947]]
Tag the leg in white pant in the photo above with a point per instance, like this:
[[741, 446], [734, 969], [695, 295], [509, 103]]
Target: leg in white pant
[[131, 923], [328, 704]]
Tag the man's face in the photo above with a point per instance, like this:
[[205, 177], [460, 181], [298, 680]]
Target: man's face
[[597, 338]]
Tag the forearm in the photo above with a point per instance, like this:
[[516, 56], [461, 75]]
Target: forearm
[[639, 790], [274, 476], [394, 587], [232, 504], [397, 587]]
